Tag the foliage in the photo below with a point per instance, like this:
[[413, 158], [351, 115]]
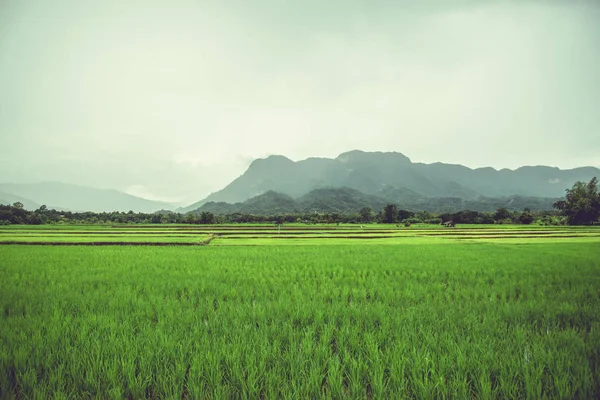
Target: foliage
[[404, 214], [366, 215], [582, 203], [502, 214], [389, 215], [526, 217], [468, 217]]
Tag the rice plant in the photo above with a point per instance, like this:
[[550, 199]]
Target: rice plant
[[459, 320]]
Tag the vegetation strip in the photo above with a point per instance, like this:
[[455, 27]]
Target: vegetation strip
[[99, 236], [49, 243], [520, 237], [311, 237]]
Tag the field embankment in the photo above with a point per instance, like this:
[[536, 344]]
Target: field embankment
[[289, 234]]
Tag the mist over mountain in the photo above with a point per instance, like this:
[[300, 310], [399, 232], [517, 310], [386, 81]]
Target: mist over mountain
[[392, 177], [345, 184], [75, 198], [9, 198]]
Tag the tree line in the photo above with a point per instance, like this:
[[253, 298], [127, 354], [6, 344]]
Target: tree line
[[581, 206], [16, 214]]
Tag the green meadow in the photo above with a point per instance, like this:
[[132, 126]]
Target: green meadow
[[306, 312]]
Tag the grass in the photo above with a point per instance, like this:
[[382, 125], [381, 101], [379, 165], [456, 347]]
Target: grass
[[57, 239], [412, 316], [291, 234]]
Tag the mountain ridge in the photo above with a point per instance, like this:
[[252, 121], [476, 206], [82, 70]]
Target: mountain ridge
[[78, 198], [375, 172], [351, 201]]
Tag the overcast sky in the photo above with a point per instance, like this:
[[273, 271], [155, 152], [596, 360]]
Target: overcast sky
[[173, 99]]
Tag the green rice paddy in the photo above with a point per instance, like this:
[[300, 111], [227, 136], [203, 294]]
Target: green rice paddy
[[245, 311]]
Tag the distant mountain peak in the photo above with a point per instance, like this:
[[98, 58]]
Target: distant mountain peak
[[273, 162], [272, 159], [364, 156]]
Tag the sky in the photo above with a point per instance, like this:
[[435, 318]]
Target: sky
[[171, 100]]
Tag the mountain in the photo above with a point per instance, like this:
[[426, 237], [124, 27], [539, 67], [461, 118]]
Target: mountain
[[348, 201], [9, 199], [340, 200], [268, 203], [279, 174], [330, 200], [395, 178], [78, 198]]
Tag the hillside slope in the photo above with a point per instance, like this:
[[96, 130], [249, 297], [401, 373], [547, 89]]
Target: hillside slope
[[81, 198], [349, 201], [393, 177], [9, 199]]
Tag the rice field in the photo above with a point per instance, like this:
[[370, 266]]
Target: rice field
[[307, 312], [288, 234]]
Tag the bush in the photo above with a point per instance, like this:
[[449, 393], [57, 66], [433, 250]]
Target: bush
[[552, 221], [526, 218]]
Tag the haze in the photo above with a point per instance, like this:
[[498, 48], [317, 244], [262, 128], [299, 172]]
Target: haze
[[173, 100]]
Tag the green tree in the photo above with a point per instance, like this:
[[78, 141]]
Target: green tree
[[526, 218], [582, 203], [335, 218], [190, 218], [207, 217], [366, 215], [35, 219], [404, 214], [389, 214], [502, 214], [424, 216]]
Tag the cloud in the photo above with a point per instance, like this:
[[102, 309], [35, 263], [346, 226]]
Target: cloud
[[143, 192], [174, 100]]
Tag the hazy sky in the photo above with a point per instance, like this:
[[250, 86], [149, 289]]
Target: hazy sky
[[173, 99]]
